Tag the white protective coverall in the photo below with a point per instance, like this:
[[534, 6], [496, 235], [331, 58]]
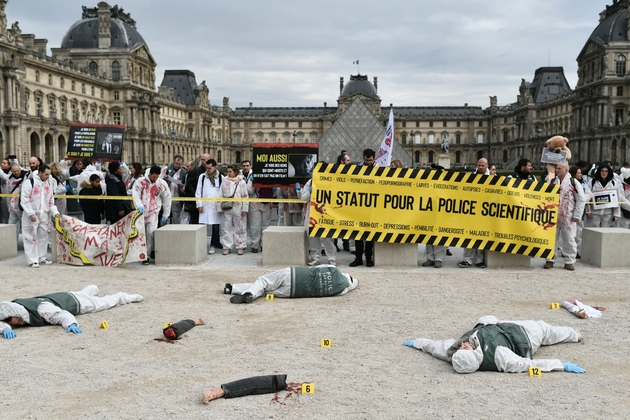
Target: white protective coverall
[[468, 361], [152, 197], [176, 206], [278, 283], [259, 214], [572, 201], [88, 300], [36, 199], [315, 244], [623, 221], [87, 173], [15, 214], [206, 189], [234, 224], [293, 212]]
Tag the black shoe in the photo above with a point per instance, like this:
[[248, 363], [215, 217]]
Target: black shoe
[[481, 265], [428, 263], [254, 250], [152, 255], [346, 247], [219, 246], [146, 262], [227, 289], [246, 298], [578, 257], [356, 263], [448, 252], [369, 263], [323, 252]]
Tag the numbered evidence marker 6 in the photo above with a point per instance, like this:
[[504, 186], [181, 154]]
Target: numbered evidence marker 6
[[104, 325], [554, 305], [326, 343], [270, 296], [534, 372], [308, 388]]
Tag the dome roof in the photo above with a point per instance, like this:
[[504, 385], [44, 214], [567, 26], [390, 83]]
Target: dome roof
[[84, 34], [614, 26], [359, 84]]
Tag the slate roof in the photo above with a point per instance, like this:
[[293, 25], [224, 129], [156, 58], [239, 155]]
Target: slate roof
[[84, 34], [548, 82], [184, 83]]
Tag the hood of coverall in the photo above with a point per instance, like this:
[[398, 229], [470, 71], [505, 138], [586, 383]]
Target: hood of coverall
[[598, 174], [8, 310], [468, 361], [352, 282]]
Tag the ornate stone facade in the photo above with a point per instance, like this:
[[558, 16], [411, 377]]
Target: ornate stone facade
[[98, 75]]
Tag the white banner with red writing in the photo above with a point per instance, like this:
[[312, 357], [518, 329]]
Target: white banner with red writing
[[80, 243]]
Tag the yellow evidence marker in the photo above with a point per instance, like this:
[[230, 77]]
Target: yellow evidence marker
[[166, 325], [270, 296], [308, 388], [534, 372], [326, 343], [554, 305], [104, 325]]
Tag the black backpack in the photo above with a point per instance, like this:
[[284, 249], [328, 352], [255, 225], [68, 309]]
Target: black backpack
[[20, 202]]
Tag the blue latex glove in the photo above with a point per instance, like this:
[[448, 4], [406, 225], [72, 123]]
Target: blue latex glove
[[310, 189], [164, 219], [298, 188], [572, 367], [140, 209], [409, 343], [68, 188], [74, 329], [8, 333]]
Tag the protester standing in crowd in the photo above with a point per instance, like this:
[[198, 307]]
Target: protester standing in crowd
[[150, 195], [60, 186], [234, 224], [116, 209], [209, 186], [91, 169], [136, 173], [523, 170], [172, 175], [493, 170], [315, 244], [472, 256], [5, 173], [38, 203], [603, 180], [187, 188], [576, 173], [344, 159], [14, 184], [360, 245], [93, 209], [292, 211], [259, 214]]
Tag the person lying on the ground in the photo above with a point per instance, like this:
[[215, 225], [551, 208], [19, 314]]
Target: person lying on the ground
[[294, 282], [502, 346], [58, 308], [176, 330], [248, 386]]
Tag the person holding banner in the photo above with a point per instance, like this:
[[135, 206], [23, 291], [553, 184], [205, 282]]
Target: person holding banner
[[475, 256], [502, 346], [150, 194], [38, 203], [360, 245], [606, 196], [234, 224], [58, 309], [315, 244], [572, 200], [116, 209]]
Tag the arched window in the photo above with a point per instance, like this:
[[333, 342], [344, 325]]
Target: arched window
[[93, 67], [620, 65], [115, 71]]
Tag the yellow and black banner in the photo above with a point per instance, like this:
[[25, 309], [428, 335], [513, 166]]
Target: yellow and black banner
[[455, 209]]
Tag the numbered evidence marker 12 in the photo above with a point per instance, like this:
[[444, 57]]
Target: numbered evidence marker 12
[[554, 305], [326, 343], [308, 388], [270, 296], [104, 325], [534, 372]]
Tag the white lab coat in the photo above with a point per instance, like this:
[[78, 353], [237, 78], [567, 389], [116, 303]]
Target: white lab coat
[[210, 215]]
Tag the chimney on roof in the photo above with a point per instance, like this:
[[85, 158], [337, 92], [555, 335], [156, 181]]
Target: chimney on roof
[[376, 83], [340, 85], [251, 104], [104, 25]]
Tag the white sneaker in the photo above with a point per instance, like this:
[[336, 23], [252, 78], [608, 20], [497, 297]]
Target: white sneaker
[[311, 263], [211, 250], [45, 262], [34, 265], [332, 262]]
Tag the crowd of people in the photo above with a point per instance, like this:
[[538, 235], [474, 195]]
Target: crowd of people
[[237, 225]]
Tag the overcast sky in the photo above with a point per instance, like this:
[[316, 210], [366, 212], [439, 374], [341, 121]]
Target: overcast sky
[[292, 53]]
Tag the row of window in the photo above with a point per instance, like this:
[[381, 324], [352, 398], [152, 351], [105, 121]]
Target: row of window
[[444, 123], [73, 87], [273, 138]]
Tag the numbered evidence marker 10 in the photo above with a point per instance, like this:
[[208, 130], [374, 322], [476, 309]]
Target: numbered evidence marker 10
[[308, 388], [326, 343], [554, 305], [534, 372], [104, 325], [270, 296]]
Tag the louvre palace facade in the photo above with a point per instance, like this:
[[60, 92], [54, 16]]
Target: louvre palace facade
[[104, 72]]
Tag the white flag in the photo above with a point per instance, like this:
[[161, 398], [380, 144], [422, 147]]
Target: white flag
[[384, 154]]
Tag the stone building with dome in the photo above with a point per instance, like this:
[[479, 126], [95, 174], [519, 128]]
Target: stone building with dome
[[104, 72]]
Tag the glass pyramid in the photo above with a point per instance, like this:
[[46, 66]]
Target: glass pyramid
[[357, 129]]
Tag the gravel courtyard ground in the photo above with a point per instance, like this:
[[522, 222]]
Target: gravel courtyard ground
[[122, 372]]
